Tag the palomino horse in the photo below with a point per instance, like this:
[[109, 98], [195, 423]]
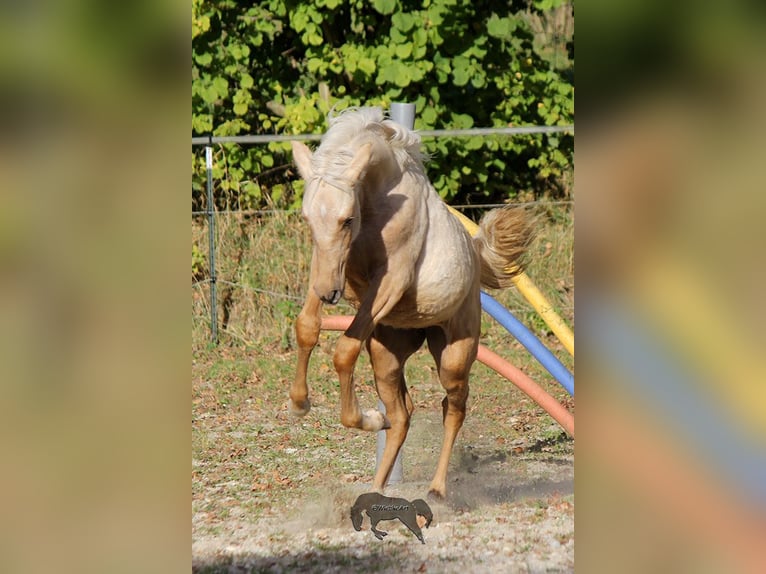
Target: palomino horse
[[384, 240]]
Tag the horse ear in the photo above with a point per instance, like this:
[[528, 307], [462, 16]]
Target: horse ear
[[358, 166], [389, 132], [302, 158]]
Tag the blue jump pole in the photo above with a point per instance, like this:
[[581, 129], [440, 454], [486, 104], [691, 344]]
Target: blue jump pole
[[530, 342]]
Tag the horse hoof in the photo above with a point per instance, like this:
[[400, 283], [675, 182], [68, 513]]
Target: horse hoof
[[374, 420], [299, 409], [436, 495]]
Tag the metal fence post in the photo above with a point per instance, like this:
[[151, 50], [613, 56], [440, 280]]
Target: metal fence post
[[403, 114], [211, 242]]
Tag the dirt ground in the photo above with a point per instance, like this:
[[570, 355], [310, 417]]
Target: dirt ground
[[510, 508]]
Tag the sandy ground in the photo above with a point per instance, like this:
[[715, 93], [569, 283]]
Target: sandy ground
[[504, 512]]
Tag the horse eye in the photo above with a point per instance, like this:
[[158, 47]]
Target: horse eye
[[347, 223]]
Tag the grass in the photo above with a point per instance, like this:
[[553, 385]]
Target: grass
[[250, 457]]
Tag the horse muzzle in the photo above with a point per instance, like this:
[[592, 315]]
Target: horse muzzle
[[332, 297], [330, 277], [329, 285]]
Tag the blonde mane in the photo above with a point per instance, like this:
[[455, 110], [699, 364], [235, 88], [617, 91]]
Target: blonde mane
[[353, 127]]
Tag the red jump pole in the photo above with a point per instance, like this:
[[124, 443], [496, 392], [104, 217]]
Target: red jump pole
[[495, 362]]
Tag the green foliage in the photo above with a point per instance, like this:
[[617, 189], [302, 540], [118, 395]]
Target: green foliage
[[198, 263], [279, 66]]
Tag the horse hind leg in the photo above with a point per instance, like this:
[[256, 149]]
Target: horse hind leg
[[389, 349], [454, 354], [410, 520]]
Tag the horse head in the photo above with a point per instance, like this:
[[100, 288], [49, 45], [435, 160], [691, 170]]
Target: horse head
[[332, 209], [356, 517]]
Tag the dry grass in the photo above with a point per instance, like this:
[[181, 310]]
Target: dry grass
[[263, 265]]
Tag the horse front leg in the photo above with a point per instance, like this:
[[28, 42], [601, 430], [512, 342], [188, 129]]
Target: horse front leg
[[382, 295], [379, 534], [307, 328], [351, 416]]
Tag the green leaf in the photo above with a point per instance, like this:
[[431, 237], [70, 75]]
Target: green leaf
[[404, 50], [403, 21], [419, 52], [384, 6], [200, 25], [202, 123], [429, 116], [500, 27], [298, 20], [403, 77], [443, 68], [367, 65], [203, 59], [314, 64], [221, 87], [397, 37], [462, 121], [545, 5], [388, 73], [478, 80], [473, 143], [208, 95], [435, 37], [420, 37], [350, 65], [251, 189], [461, 72]]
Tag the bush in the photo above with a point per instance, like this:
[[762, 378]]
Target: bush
[[280, 66]]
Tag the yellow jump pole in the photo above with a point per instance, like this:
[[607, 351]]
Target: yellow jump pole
[[532, 294]]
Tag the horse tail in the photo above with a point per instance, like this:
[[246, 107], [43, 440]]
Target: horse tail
[[502, 242]]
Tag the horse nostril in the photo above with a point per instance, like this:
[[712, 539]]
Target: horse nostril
[[332, 298]]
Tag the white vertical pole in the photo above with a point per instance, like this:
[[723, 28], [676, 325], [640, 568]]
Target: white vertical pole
[[211, 242], [403, 114]]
